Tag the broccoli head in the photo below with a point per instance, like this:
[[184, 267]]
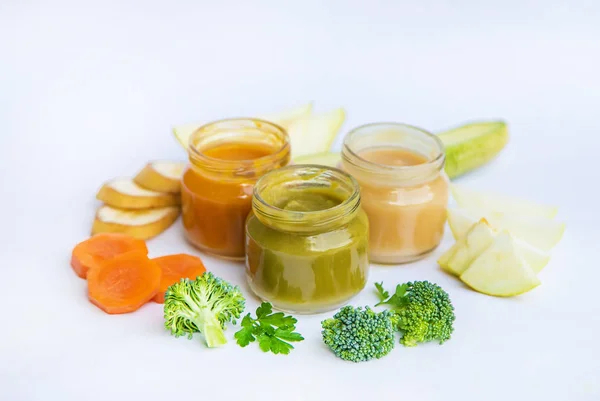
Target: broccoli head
[[204, 306], [357, 335], [423, 312]]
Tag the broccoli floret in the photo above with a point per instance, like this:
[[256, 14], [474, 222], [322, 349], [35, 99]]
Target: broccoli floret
[[357, 335], [423, 310], [203, 305]]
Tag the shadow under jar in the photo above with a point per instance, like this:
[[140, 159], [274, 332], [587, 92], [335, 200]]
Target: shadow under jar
[[227, 157], [404, 188], [307, 239]]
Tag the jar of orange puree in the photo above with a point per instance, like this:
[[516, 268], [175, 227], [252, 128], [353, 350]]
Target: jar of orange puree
[[403, 186], [226, 159]]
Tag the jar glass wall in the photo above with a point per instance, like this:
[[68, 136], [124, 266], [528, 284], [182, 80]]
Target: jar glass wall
[[226, 159], [307, 239], [404, 188]]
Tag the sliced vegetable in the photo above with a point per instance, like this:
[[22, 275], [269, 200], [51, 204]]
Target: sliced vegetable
[[273, 331], [542, 234], [101, 247], [500, 270], [472, 145], [324, 159], [124, 283], [283, 118], [316, 133], [457, 259], [479, 237], [124, 193], [495, 203], [142, 224], [161, 176], [174, 268]]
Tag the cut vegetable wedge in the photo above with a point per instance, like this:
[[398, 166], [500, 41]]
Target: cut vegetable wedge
[[283, 118], [500, 270], [324, 159], [316, 133], [124, 283], [126, 194], [472, 145], [457, 259], [98, 248], [478, 238], [161, 176], [142, 224], [489, 202], [174, 268], [542, 234], [535, 258]]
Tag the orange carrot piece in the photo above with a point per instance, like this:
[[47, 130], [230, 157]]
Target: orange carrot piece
[[174, 268], [101, 247], [124, 283]]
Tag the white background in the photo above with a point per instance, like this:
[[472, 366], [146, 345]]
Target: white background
[[90, 92]]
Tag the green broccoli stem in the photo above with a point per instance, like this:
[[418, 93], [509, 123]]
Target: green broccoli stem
[[207, 322], [213, 332]]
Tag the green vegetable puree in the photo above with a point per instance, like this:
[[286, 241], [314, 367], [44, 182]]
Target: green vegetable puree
[[308, 271]]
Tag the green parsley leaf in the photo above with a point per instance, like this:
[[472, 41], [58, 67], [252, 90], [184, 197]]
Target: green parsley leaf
[[263, 310], [244, 336], [273, 331], [288, 335], [280, 347], [396, 300], [264, 342], [381, 292]]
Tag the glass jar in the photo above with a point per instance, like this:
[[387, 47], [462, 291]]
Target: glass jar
[[307, 239], [404, 188], [226, 159]]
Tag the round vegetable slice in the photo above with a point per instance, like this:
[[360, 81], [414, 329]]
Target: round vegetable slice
[[100, 247], [161, 176], [143, 224], [174, 268], [124, 283], [125, 193]]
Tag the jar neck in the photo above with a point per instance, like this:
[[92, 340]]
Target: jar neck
[[240, 133], [390, 137], [295, 182]]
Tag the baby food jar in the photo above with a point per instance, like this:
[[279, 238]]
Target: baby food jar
[[403, 186], [307, 239], [226, 159]]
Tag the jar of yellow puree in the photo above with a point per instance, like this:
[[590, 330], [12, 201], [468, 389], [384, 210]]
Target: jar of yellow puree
[[307, 239], [400, 169]]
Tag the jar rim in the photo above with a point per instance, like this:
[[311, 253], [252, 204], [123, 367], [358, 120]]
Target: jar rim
[[217, 164], [311, 219], [436, 162]]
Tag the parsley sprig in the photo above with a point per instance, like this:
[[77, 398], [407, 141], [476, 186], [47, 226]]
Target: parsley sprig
[[273, 331]]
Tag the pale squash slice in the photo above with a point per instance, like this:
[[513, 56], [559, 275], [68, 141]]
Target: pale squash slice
[[124, 193], [142, 224]]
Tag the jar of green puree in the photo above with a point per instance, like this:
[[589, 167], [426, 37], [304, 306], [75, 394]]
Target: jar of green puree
[[307, 239]]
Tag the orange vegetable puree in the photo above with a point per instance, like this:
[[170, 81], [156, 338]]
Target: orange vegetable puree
[[215, 206], [238, 151]]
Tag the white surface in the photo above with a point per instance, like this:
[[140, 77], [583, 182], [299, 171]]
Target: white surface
[[87, 94]]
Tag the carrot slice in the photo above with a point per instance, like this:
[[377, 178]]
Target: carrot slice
[[124, 283], [174, 268], [101, 247]]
